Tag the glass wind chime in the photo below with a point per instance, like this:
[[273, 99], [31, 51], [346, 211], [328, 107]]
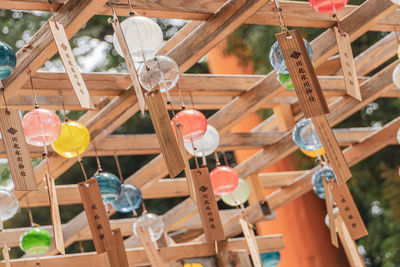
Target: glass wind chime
[[8, 201]]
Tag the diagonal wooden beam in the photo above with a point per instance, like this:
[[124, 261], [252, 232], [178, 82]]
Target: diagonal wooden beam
[[137, 257], [203, 9], [72, 15]]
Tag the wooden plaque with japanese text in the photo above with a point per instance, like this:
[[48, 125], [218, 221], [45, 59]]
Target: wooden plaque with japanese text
[[17, 151], [128, 60], [207, 205], [165, 133], [348, 65], [71, 67], [332, 149], [96, 215], [301, 71], [55, 215], [349, 211]]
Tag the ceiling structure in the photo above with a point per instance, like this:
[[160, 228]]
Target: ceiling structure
[[234, 96]]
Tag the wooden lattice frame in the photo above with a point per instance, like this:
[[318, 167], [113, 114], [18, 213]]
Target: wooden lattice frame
[[235, 96]]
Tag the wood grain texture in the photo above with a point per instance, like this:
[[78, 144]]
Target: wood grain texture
[[138, 257], [150, 248], [301, 71], [348, 65], [17, 151], [55, 215], [96, 215], [165, 134]]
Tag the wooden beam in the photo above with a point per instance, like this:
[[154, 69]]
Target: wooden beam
[[203, 9], [137, 257], [41, 47]]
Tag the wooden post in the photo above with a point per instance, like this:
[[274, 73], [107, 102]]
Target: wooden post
[[251, 242], [256, 188], [119, 248]]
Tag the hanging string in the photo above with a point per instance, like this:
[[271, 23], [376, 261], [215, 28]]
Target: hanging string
[[335, 16], [131, 11], [180, 96], [72, 137], [216, 159], [282, 23], [52, 12], [225, 158], [35, 101], [2, 89], [191, 100], [118, 168], [163, 81], [397, 36], [144, 208], [60, 94], [99, 169], [81, 248], [32, 223], [195, 156]]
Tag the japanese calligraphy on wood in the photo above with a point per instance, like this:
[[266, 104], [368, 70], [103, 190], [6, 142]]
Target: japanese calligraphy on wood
[[96, 215], [188, 173], [128, 60], [165, 134], [329, 209], [305, 81], [347, 62], [207, 205], [349, 211], [71, 67], [150, 248], [251, 242], [332, 149], [17, 151], [55, 215]]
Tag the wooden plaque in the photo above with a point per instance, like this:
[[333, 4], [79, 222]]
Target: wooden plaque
[[128, 60], [349, 211], [348, 66], [251, 243], [349, 246], [331, 215], [207, 205], [17, 151], [55, 215], [332, 149], [188, 173], [165, 133], [301, 71], [117, 256], [71, 67], [150, 248], [96, 215]]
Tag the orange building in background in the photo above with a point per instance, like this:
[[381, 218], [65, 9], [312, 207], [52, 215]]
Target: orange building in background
[[301, 222]]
